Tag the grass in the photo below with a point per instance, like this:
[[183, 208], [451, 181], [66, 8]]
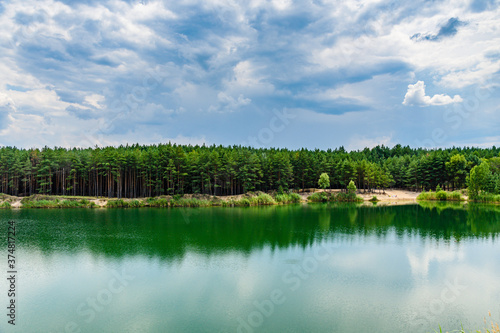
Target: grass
[[287, 198], [334, 197], [192, 202], [262, 199], [5, 205], [120, 203], [179, 200], [487, 198], [57, 204], [156, 202], [441, 196]]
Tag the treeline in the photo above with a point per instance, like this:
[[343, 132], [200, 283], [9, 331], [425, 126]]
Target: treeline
[[146, 171]]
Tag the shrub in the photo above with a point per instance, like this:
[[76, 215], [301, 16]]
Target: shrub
[[243, 202], [318, 197], [157, 202], [5, 205], [84, 202], [120, 203], [135, 204], [262, 199], [288, 198], [347, 197], [487, 198], [441, 195]]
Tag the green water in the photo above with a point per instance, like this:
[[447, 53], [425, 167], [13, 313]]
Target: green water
[[295, 268]]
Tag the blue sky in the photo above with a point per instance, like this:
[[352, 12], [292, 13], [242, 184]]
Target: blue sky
[[281, 73]]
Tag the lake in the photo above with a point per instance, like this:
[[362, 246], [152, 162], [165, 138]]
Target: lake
[[293, 268]]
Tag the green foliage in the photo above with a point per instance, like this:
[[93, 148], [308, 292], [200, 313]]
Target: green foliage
[[338, 197], [280, 190], [5, 205], [351, 188], [190, 202], [135, 171], [156, 202], [478, 179], [84, 202], [120, 203], [324, 180], [441, 196], [288, 198], [347, 197], [487, 198], [262, 199], [40, 202], [456, 169], [318, 197], [374, 199]]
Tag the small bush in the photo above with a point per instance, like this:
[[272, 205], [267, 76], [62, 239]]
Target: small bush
[[487, 198], [157, 202], [441, 195], [5, 205], [84, 202], [243, 202], [347, 197], [262, 199], [287, 198], [120, 203], [318, 197], [135, 204]]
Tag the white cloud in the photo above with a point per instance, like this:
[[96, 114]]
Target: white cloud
[[360, 142], [95, 100], [415, 96]]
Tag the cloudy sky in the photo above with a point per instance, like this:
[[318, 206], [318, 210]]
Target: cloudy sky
[[282, 73]]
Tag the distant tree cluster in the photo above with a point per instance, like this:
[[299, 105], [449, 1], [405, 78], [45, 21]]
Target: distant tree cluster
[[143, 171]]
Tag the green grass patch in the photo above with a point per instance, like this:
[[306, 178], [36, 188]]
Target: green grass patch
[[287, 198], [487, 198], [441, 196], [334, 197], [5, 205], [120, 203], [55, 203], [156, 202], [191, 202], [262, 199]]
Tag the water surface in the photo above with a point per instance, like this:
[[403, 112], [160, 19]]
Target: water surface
[[295, 268]]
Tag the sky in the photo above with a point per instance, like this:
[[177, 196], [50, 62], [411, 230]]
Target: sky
[[276, 73]]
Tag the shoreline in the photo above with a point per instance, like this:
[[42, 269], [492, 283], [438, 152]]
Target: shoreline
[[389, 197]]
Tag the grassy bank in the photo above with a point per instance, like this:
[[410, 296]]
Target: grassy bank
[[441, 196], [334, 197], [487, 198], [250, 199], [56, 203]]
